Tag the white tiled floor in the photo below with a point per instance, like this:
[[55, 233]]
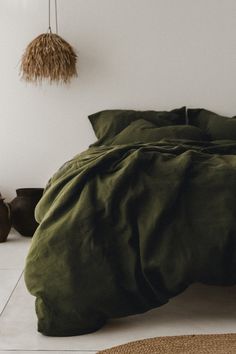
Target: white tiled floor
[[200, 309], [8, 281]]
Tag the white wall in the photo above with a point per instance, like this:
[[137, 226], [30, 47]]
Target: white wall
[[143, 54]]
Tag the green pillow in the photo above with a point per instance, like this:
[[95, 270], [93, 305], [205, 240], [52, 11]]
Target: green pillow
[[107, 124], [146, 132], [215, 126]]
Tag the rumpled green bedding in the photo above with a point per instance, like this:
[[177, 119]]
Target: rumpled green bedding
[[125, 228]]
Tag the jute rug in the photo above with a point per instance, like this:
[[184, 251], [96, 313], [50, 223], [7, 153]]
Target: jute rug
[[194, 344]]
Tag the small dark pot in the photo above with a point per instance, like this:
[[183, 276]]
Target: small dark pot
[[22, 210], [5, 220]]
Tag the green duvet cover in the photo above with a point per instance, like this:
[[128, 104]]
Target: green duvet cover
[[125, 228]]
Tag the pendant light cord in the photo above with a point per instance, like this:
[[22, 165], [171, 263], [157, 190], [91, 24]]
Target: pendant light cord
[[49, 16]]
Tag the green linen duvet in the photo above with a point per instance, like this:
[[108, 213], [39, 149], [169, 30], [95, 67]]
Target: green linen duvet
[[124, 228]]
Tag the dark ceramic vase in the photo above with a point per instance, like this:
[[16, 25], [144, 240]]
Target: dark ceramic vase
[[22, 210], [5, 220]]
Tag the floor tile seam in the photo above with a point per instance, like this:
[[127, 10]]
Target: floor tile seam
[[13, 290]]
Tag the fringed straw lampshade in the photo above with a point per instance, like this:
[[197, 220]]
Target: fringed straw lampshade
[[49, 57]]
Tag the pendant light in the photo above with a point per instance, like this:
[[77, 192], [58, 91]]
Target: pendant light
[[49, 57]]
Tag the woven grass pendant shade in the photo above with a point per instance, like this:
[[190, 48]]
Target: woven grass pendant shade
[[49, 57]]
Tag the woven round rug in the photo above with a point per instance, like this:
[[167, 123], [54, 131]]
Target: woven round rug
[[194, 344]]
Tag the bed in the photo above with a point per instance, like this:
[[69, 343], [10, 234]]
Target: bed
[[146, 211]]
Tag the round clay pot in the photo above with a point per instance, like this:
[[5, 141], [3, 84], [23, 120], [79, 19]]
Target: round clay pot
[[22, 210], [5, 220]]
